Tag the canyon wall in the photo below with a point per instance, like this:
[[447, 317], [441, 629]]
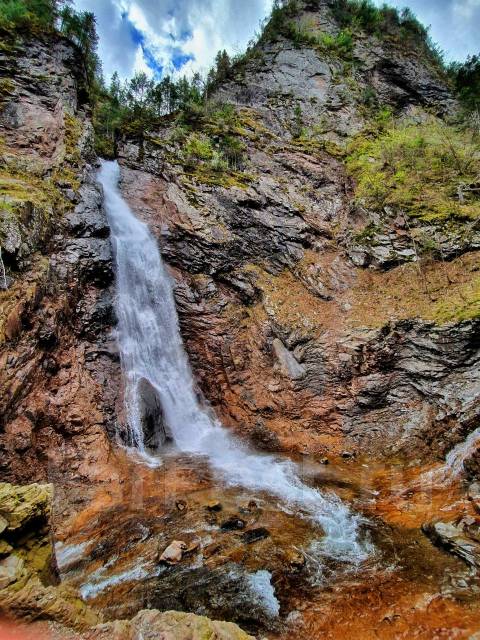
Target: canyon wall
[[314, 322], [59, 367]]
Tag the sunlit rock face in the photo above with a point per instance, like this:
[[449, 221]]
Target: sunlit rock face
[[308, 321]]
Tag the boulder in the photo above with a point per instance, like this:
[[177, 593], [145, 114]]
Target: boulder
[[456, 539], [20, 506], [172, 625]]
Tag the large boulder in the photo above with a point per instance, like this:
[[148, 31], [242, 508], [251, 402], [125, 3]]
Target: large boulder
[[172, 625]]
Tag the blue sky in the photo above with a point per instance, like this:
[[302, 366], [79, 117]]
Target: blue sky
[[183, 36]]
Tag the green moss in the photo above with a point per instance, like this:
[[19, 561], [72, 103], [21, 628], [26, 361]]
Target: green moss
[[7, 87], [73, 133], [313, 143], [425, 170]]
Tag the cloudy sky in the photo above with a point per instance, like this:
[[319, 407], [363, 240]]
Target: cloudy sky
[[168, 36]]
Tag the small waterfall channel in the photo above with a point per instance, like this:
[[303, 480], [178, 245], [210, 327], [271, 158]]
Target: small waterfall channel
[[160, 397]]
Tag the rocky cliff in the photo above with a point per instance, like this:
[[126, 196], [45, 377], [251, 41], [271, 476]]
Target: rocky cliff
[[319, 218], [318, 317], [58, 365]]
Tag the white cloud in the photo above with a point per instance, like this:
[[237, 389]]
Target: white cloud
[[172, 31], [144, 34], [454, 24]]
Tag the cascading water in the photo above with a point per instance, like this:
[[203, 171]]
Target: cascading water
[[454, 462], [153, 357]]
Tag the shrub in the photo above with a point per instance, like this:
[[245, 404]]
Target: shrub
[[198, 146], [341, 44], [427, 170], [218, 163], [384, 22]]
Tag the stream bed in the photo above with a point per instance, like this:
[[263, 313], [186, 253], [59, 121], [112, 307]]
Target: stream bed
[[249, 559]]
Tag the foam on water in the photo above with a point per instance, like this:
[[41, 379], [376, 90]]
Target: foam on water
[[151, 350]]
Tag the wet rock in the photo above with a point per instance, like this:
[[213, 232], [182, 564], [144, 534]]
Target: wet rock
[[455, 539], [295, 559], [89, 219], [173, 553], [155, 430], [214, 506], [254, 535], [28, 577], [181, 505], [474, 495], [233, 524], [90, 260]]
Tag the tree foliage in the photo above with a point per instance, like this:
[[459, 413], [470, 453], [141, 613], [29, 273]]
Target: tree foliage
[[466, 77]]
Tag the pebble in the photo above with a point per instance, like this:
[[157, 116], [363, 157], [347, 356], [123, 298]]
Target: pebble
[[233, 524], [174, 552]]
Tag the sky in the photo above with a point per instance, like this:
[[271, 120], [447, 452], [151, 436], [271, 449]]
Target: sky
[[164, 37]]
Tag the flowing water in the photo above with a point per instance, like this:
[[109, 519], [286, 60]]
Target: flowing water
[[153, 357]]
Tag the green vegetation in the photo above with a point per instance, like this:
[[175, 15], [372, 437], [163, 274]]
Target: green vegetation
[[386, 22], [466, 78], [28, 15], [353, 16], [428, 170], [210, 148]]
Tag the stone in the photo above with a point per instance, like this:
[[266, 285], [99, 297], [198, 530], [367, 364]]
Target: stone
[[233, 524], [156, 432], [254, 535], [288, 363], [474, 495], [3, 524], [5, 548], [10, 570], [19, 506], [173, 553], [295, 559], [214, 506], [455, 539]]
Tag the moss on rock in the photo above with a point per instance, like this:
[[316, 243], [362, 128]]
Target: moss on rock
[[429, 170]]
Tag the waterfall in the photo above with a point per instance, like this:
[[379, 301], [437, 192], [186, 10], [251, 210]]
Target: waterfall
[[155, 365], [454, 462]]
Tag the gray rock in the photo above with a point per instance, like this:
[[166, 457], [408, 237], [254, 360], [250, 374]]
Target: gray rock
[[454, 539], [289, 365]]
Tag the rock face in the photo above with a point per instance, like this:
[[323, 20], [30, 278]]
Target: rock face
[[304, 334], [58, 365], [28, 575]]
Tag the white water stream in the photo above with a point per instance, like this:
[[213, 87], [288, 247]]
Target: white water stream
[[151, 350]]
